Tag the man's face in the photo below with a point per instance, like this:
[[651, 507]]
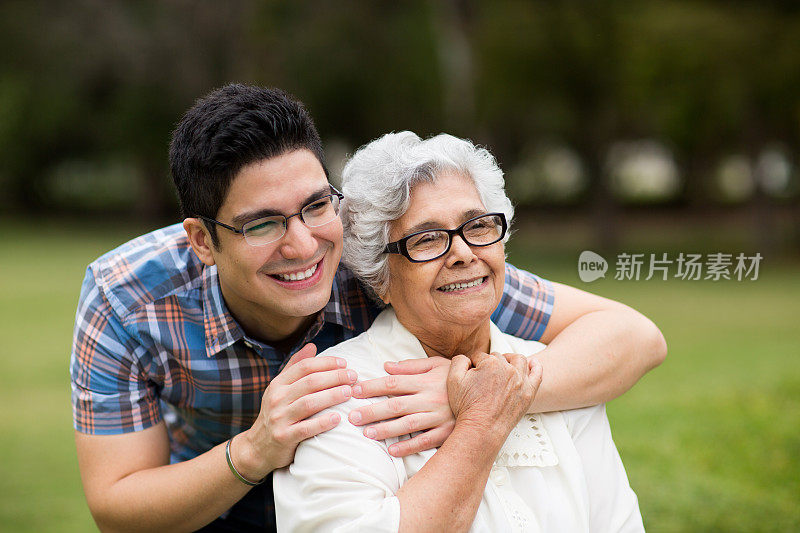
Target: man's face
[[255, 280]]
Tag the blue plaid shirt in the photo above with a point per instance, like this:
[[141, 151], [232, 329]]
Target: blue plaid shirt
[[154, 341]]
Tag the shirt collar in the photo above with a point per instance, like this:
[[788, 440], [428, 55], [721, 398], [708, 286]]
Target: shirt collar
[[396, 343], [220, 327], [222, 330], [528, 444], [338, 309]]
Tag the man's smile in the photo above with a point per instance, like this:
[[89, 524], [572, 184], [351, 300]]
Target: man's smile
[[301, 278], [298, 276]]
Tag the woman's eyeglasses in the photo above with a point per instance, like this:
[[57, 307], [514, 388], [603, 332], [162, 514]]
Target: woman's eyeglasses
[[431, 244]]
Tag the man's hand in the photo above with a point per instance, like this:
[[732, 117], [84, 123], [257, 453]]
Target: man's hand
[[306, 386], [419, 403], [130, 484]]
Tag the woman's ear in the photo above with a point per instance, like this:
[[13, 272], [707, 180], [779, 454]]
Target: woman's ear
[[385, 296], [200, 240]]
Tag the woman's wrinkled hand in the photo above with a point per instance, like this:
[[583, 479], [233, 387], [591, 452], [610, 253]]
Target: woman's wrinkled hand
[[492, 391]]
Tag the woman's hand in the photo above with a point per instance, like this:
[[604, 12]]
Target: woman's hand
[[492, 391]]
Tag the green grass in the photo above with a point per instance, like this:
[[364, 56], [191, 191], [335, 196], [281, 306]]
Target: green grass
[[40, 487], [711, 439]]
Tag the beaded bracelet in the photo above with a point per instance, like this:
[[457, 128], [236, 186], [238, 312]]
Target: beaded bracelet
[[236, 472]]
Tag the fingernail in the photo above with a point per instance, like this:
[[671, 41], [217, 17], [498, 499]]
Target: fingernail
[[334, 418], [393, 450], [346, 390], [341, 362], [351, 375], [357, 391], [370, 433], [355, 417]]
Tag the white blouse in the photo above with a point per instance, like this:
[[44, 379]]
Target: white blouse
[[556, 472]]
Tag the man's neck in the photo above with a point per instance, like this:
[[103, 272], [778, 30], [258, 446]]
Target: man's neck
[[263, 326], [286, 344], [282, 332]]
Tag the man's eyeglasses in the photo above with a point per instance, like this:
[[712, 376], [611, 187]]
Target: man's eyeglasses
[[431, 244], [266, 230]]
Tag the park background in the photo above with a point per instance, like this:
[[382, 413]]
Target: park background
[[646, 127]]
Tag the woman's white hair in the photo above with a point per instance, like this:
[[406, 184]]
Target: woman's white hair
[[377, 183]]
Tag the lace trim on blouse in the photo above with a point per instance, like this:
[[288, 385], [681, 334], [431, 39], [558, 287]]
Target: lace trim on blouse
[[527, 445]]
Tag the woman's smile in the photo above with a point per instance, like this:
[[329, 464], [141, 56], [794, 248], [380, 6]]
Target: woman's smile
[[465, 286]]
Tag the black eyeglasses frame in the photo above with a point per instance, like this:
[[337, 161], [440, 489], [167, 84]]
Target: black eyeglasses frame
[[334, 192], [399, 246]]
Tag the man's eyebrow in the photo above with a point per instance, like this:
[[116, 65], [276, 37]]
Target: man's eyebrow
[[247, 216], [430, 224]]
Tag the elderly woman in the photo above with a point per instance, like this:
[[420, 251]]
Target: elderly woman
[[426, 223]]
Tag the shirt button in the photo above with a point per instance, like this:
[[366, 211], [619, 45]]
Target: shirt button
[[249, 345], [499, 475]]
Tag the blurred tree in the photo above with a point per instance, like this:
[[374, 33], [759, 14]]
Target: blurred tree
[[454, 21], [553, 69], [697, 75], [92, 80], [362, 68], [109, 78], [714, 79]]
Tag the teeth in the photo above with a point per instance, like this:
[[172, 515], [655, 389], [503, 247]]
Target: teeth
[[297, 276], [458, 286]]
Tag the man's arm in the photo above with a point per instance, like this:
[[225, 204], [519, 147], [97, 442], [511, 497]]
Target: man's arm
[[598, 349], [130, 485]]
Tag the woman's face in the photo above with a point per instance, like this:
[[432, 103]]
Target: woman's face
[[423, 294]]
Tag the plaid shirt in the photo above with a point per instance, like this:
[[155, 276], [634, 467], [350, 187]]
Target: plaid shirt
[[154, 341]]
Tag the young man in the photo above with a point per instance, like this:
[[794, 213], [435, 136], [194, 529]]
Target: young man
[[192, 375]]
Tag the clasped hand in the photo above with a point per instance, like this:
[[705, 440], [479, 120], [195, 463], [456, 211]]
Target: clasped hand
[[425, 394], [492, 391]]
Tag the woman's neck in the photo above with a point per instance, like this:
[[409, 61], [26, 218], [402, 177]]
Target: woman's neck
[[451, 340]]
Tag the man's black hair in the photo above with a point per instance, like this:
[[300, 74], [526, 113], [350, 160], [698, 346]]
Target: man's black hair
[[227, 130]]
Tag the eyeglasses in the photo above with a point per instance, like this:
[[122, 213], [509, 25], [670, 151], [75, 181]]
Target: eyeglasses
[[431, 244], [266, 230]]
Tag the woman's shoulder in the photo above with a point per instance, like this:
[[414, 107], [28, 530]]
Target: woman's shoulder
[[360, 356], [517, 344], [583, 419]]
